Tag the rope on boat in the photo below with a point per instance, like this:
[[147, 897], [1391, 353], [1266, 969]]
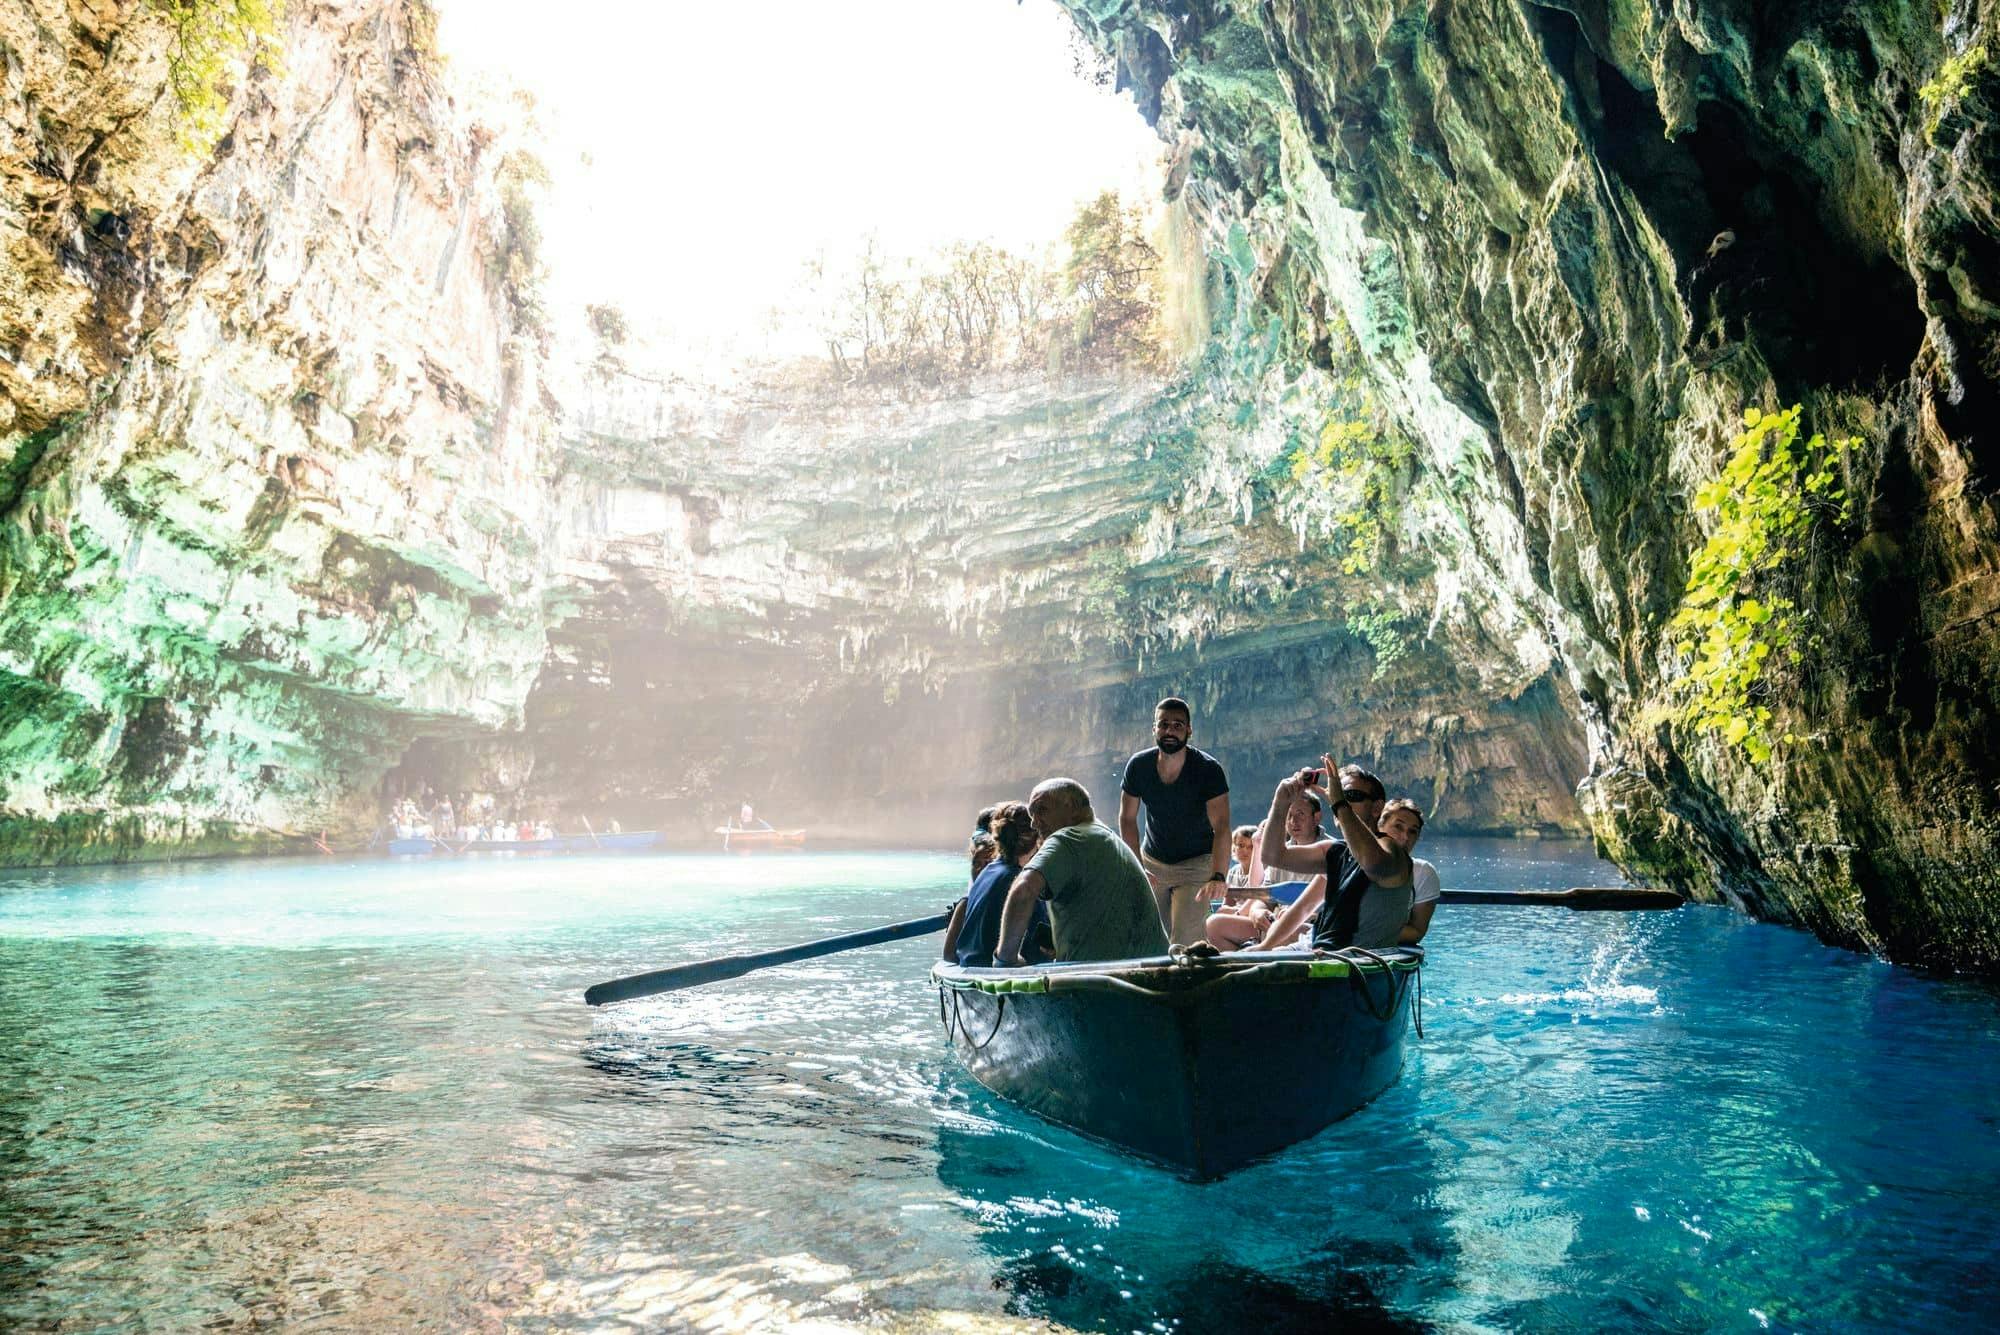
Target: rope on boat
[[1360, 977], [954, 1025]]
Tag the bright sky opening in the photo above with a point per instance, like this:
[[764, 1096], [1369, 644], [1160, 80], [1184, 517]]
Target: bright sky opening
[[701, 153]]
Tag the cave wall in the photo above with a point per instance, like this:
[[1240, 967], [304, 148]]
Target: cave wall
[[292, 512], [872, 613], [1582, 238], [270, 433]]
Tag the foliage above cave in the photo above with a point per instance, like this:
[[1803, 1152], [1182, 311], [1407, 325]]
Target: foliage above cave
[[975, 307], [212, 40]]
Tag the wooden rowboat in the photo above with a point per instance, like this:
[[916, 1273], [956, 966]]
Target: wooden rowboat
[[740, 840], [1204, 1065]]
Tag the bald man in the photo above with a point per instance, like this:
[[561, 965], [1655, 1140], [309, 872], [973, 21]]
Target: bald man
[[1100, 902]]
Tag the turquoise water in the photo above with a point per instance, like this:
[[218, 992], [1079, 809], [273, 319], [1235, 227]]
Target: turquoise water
[[365, 1095]]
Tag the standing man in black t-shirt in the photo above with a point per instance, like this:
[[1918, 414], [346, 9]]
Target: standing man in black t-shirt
[[1185, 798]]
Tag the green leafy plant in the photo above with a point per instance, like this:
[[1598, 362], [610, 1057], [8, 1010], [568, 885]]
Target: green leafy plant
[[1386, 631], [522, 178], [1345, 488], [1738, 618], [1953, 82], [211, 38]]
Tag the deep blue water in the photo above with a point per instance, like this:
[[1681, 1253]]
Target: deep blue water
[[365, 1095]]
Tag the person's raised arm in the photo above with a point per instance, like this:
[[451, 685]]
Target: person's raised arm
[[1285, 928], [1218, 822], [1305, 859], [1015, 915], [1387, 864]]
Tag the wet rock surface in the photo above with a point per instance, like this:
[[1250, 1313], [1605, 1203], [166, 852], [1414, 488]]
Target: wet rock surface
[[888, 611], [270, 416], [290, 509], [1597, 232], [289, 502]]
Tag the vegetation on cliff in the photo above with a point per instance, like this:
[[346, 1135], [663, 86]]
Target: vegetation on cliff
[[1742, 616], [214, 41]]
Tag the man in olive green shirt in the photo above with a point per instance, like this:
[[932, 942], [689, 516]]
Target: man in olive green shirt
[[1100, 902]]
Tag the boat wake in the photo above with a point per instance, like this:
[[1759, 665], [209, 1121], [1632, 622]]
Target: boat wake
[[1603, 987]]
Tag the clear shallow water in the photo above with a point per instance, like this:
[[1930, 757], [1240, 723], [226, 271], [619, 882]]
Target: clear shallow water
[[366, 1095]]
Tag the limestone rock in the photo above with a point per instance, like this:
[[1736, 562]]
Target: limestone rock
[[1518, 207]]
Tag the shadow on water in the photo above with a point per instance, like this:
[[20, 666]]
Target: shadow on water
[[1307, 1239]]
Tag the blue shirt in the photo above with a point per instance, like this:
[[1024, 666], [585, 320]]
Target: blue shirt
[[979, 935]]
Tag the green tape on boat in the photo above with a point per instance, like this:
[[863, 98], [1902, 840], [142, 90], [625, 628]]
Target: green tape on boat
[[997, 986]]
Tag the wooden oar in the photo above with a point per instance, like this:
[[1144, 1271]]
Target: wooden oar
[[735, 966], [1576, 897], [594, 841]]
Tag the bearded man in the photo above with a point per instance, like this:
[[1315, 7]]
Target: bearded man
[[1183, 795]]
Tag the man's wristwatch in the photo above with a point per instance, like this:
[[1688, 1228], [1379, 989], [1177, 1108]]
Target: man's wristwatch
[[1217, 876]]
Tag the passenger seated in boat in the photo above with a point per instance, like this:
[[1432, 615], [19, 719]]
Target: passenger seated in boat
[[1100, 903], [980, 850], [1365, 897], [1014, 836], [1243, 851], [1403, 824], [746, 819], [1247, 915]]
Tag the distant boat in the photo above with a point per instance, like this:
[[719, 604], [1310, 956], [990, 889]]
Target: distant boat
[[745, 840], [622, 842], [1201, 1064]]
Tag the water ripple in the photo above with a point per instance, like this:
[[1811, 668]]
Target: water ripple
[[366, 1097]]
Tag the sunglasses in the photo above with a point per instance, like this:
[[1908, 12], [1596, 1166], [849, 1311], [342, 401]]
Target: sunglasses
[[1356, 795]]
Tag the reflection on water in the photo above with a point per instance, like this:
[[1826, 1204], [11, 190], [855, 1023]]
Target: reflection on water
[[366, 1096]]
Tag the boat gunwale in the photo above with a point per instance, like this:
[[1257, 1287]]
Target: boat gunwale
[[1168, 978]]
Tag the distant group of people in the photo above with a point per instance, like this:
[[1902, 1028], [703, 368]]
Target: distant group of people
[[473, 818], [1050, 882]]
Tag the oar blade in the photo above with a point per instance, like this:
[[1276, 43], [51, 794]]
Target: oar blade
[[669, 980]]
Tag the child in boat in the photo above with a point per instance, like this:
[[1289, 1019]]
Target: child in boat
[[1247, 912], [1243, 847]]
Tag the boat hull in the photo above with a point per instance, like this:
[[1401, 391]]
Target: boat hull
[[1205, 1066]]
